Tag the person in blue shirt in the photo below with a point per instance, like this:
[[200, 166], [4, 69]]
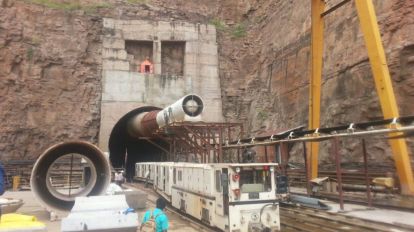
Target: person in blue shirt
[[161, 220], [2, 180], [2, 183]]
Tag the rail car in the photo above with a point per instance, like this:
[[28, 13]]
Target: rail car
[[233, 197]]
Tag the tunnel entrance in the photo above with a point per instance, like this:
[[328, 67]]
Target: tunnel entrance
[[126, 150]]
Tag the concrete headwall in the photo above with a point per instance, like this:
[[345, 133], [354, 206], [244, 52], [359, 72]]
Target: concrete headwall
[[124, 89]]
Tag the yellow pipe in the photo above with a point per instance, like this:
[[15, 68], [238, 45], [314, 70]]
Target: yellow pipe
[[317, 8], [383, 84]]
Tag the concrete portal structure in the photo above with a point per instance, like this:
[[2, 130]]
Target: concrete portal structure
[[190, 66]]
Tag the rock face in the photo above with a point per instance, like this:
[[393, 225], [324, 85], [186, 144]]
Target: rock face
[[265, 75], [50, 66], [49, 79]]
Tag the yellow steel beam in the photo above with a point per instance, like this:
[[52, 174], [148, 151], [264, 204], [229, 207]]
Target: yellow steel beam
[[317, 8], [376, 54]]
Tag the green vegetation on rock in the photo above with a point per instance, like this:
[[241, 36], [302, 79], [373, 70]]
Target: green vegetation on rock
[[220, 26], [236, 31], [137, 1], [69, 5], [262, 115]]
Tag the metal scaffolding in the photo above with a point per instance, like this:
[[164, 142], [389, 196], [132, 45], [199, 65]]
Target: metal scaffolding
[[381, 75]]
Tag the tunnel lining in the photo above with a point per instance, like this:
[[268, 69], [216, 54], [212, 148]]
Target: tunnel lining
[[125, 150]]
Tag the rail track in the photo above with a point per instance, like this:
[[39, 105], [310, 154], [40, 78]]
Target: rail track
[[390, 199], [301, 219], [297, 177], [305, 219]]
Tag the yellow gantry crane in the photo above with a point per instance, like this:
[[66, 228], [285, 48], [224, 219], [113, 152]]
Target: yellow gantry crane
[[376, 54]]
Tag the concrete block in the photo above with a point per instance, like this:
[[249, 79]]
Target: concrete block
[[206, 29], [140, 23], [207, 38], [207, 48], [165, 26], [210, 71], [137, 27], [138, 35], [113, 33], [210, 29], [113, 43], [191, 47], [180, 36], [123, 86], [190, 70], [160, 89], [213, 111], [190, 58], [191, 27], [122, 65], [165, 35], [97, 203], [109, 23], [207, 59], [157, 68], [119, 23], [119, 54], [100, 213], [135, 199], [191, 35]]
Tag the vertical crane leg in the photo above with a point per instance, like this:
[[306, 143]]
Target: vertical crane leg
[[376, 54], [318, 7]]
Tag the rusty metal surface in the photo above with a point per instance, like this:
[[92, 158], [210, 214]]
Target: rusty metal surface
[[203, 141], [367, 182], [149, 123]]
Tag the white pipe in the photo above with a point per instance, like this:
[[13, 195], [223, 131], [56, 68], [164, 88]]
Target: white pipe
[[188, 108]]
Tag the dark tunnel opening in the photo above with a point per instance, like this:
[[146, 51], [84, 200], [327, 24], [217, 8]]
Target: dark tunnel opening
[[125, 150]]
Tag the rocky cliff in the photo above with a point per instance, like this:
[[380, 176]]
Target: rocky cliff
[[50, 66], [265, 74]]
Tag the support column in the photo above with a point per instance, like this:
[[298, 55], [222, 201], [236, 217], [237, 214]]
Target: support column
[[156, 53], [383, 84], [318, 7]]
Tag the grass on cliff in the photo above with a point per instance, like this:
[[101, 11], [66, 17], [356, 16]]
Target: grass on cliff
[[220, 26], [239, 31], [236, 31], [69, 5], [138, 1], [262, 115]]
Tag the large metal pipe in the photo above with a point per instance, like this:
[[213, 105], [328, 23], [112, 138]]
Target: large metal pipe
[[188, 108], [58, 199]]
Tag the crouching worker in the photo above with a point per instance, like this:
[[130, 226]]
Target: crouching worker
[[155, 220]]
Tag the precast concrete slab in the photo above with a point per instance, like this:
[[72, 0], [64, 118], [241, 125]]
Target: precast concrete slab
[[100, 213]]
